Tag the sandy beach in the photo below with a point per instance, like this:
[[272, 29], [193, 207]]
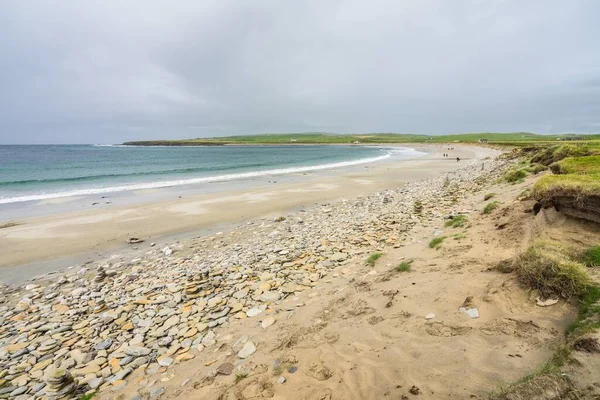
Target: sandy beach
[[368, 294], [68, 236]]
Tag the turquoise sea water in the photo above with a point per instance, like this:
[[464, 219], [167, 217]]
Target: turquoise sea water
[[39, 172]]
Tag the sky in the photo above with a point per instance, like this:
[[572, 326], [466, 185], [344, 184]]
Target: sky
[[75, 71]]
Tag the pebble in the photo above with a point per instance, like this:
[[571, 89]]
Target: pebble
[[248, 349], [267, 322]]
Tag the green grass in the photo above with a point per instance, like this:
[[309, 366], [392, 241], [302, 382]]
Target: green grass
[[404, 266], [459, 236], [436, 243], [514, 139], [559, 152], [88, 396], [239, 377], [536, 168], [589, 165], [588, 318], [515, 175], [547, 187], [457, 221], [490, 207], [548, 268], [488, 196], [373, 258], [591, 257]]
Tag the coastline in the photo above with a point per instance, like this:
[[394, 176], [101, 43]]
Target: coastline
[[284, 306], [358, 297], [66, 237]]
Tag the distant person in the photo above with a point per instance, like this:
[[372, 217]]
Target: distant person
[[457, 159]]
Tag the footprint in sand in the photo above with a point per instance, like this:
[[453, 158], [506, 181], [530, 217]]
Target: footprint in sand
[[440, 329]]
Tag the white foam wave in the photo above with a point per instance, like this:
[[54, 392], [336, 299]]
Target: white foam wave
[[218, 178]]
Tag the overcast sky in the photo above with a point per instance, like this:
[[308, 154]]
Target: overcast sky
[[74, 71]]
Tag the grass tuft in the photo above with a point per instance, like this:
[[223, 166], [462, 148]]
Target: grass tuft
[[488, 196], [457, 221], [515, 175], [436, 243], [546, 267], [239, 377], [373, 258], [404, 266], [490, 207], [591, 257]]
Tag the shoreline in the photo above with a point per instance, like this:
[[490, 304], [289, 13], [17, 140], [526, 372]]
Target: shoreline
[[84, 236]]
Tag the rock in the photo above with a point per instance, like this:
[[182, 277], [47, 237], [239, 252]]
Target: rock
[[137, 351], [164, 361], [60, 384], [281, 380], [103, 345], [430, 316], [253, 312], [225, 369], [545, 303], [246, 351], [167, 251], [156, 393], [289, 287], [269, 296], [267, 322]]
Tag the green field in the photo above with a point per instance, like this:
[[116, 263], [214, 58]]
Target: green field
[[519, 139]]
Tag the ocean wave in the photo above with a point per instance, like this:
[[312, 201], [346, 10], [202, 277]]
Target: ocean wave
[[208, 179], [131, 174]]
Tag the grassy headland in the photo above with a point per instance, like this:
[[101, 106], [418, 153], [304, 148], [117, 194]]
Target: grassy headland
[[517, 139]]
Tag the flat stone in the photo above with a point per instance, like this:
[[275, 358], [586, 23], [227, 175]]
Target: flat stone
[[137, 351], [225, 369], [246, 351], [103, 345], [270, 296], [164, 361], [267, 322], [156, 393]]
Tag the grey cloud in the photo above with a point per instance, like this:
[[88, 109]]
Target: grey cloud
[[105, 72]]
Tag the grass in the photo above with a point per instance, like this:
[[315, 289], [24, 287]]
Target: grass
[[512, 139], [559, 152], [88, 396], [459, 236], [548, 187], [554, 270], [515, 175], [547, 267], [490, 207], [457, 221], [404, 266], [536, 168], [591, 257], [373, 258], [589, 165], [239, 377], [436, 243], [488, 196], [588, 316]]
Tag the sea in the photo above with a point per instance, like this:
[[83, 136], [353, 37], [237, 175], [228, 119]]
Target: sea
[[38, 172]]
